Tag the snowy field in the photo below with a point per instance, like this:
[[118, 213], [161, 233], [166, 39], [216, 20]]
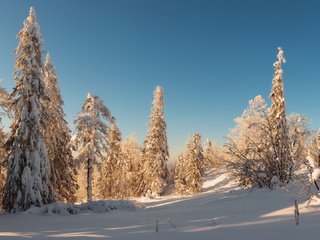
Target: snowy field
[[222, 211]]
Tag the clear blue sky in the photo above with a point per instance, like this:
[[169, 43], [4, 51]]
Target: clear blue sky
[[211, 57]]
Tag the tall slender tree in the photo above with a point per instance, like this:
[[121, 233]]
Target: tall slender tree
[[91, 137], [277, 118], [155, 149], [63, 171], [28, 175]]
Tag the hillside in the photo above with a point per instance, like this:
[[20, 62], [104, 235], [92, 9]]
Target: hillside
[[221, 211]]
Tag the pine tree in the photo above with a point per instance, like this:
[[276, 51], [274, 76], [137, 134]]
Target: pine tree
[[63, 171], [91, 138], [28, 175], [277, 117], [110, 183], [155, 150]]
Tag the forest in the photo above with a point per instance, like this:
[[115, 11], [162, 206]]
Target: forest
[[42, 162]]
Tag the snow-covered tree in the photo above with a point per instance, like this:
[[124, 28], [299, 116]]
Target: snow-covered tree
[[209, 154], [28, 175], [299, 135], [283, 161], [91, 137], [214, 155], [131, 165], [180, 176], [63, 171], [313, 156], [3, 137], [249, 144], [189, 168], [111, 184], [155, 150]]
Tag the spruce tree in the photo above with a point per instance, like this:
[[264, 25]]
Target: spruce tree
[[91, 137], [155, 150], [28, 174], [63, 171], [3, 137], [194, 164], [189, 167], [282, 162], [131, 166], [180, 176], [208, 153], [110, 183]]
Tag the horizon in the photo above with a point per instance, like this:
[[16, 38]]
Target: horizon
[[202, 60]]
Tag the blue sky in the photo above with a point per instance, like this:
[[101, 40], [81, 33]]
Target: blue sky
[[211, 57]]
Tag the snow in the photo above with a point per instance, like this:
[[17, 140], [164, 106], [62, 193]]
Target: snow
[[222, 211], [316, 174], [101, 206]]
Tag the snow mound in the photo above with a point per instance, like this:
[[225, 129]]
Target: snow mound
[[106, 206], [100, 206]]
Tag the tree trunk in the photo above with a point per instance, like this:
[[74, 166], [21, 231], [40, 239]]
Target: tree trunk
[[89, 180]]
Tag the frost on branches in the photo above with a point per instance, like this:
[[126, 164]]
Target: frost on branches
[[28, 175], [111, 184], [91, 137], [155, 150], [282, 161], [248, 146], [3, 137], [131, 165], [63, 171], [189, 167]]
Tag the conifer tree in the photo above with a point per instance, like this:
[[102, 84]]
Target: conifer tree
[[91, 137], [3, 137], [131, 166], [110, 183], [180, 176], [208, 153], [277, 118], [155, 149], [28, 174], [189, 168], [63, 171]]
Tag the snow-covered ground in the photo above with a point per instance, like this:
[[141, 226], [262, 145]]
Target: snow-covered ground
[[222, 211]]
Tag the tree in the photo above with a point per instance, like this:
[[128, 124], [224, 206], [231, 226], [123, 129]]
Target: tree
[[111, 184], [155, 150], [313, 156], [131, 165], [28, 175], [249, 146], [189, 167], [214, 155], [283, 161], [298, 134], [3, 137], [63, 171], [179, 175], [91, 137]]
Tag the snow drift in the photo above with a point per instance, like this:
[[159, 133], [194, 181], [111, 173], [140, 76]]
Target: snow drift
[[100, 206]]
